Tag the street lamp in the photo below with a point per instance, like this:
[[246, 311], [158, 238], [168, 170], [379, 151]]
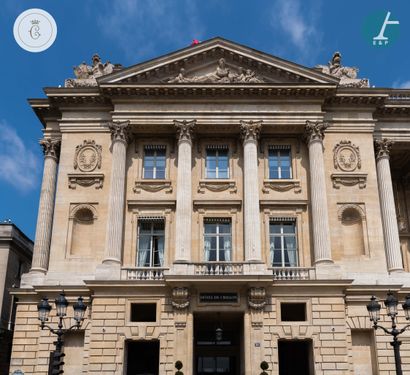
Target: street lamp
[[391, 304], [61, 303]]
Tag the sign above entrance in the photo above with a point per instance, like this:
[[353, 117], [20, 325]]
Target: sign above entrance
[[218, 297]]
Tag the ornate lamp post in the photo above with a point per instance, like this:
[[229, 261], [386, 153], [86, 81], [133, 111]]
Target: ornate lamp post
[[61, 303], [391, 303]]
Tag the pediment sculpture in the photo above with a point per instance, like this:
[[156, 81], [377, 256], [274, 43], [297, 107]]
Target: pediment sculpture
[[85, 75], [222, 74], [346, 74]]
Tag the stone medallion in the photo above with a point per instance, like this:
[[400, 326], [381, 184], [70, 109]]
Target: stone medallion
[[346, 156], [87, 156]]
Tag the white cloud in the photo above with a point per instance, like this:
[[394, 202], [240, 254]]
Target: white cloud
[[18, 164], [401, 84], [139, 26], [300, 24]]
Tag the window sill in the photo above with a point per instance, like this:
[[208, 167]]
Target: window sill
[[153, 186], [217, 185], [282, 185]]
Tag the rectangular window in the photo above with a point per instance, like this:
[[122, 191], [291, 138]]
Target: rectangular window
[[283, 245], [280, 166], [151, 239], [143, 312], [217, 240], [217, 162], [293, 312], [154, 162]]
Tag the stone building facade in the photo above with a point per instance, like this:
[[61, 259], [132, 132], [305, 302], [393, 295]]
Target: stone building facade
[[221, 207], [16, 251]]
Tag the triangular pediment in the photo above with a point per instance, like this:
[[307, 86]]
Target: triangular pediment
[[217, 61]]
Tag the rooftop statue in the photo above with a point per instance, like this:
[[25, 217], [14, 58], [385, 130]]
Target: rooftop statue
[[221, 75], [85, 75], [347, 75]]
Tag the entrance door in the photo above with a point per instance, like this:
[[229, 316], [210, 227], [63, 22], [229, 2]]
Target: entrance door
[[295, 357], [218, 343], [143, 358]]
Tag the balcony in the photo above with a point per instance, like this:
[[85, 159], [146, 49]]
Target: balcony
[[218, 268], [293, 273], [143, 273]]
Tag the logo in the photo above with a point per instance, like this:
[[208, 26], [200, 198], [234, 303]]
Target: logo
[[380, 30], [35, 30]]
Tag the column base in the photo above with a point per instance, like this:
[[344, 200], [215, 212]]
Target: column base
[[327, 270], [109, 270], [396, 271], [34, 277]]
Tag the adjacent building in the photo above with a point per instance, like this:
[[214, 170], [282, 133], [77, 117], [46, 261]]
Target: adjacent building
[[16, 251], [220, 207]]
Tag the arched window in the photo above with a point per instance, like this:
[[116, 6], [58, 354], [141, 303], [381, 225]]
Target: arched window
[[82, 231], [352, 233]]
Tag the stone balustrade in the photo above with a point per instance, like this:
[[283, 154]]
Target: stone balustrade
[[293, 273], [143, 273], [218, 268]]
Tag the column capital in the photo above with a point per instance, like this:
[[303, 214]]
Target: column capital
[[51, 147], [250, 130], [383, 147], [185, 129], [120, 131], [315, 131]]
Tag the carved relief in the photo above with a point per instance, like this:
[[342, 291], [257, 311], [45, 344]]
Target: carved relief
[[346, 156], [221, 75], [315, 130], [281, 186], [180, 298], [349, 179], [184, 129], [85, 180], [217, 186], [250, 130], [87, 156], [257, 298], [153, 186], [383, 147], [51, 147]]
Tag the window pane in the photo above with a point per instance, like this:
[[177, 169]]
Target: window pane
[[160, 175], [274, 228], [225, 228], [285, 173], [277, 258], [273, 173], [210, 228], [288, 227]]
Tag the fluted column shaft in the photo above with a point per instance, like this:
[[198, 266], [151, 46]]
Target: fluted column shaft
[[41, 251], [314, 134], [183, 217], [252, 227], [115, 220], [388, 208]]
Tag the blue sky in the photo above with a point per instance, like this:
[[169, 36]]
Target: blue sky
[[131, 31]]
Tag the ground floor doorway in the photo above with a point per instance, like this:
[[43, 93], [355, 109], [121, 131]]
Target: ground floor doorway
[[218, 344], [295, 357], [142, 358]]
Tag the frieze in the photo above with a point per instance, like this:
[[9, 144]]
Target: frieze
[[87, 156], [346, 156], [217, 186], [282, 185], [349, 179]]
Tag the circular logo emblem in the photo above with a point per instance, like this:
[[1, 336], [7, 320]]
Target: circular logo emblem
[[35, 30]]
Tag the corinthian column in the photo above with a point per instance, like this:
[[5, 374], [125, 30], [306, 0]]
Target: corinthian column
[[184, 194], [41, 252], [115, 221], [314, 134], [250, 133], [388, 209]]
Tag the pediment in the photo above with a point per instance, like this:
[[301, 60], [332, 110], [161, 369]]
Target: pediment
[[217, 61]]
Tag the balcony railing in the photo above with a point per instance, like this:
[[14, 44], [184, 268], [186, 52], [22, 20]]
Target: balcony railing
[[218, 268], [293, 273], [143, 273]]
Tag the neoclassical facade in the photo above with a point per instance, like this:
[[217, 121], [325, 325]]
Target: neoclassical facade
[[220, 207]]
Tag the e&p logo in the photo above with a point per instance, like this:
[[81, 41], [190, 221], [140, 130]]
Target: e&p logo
[[35, 30], [380, 29]]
